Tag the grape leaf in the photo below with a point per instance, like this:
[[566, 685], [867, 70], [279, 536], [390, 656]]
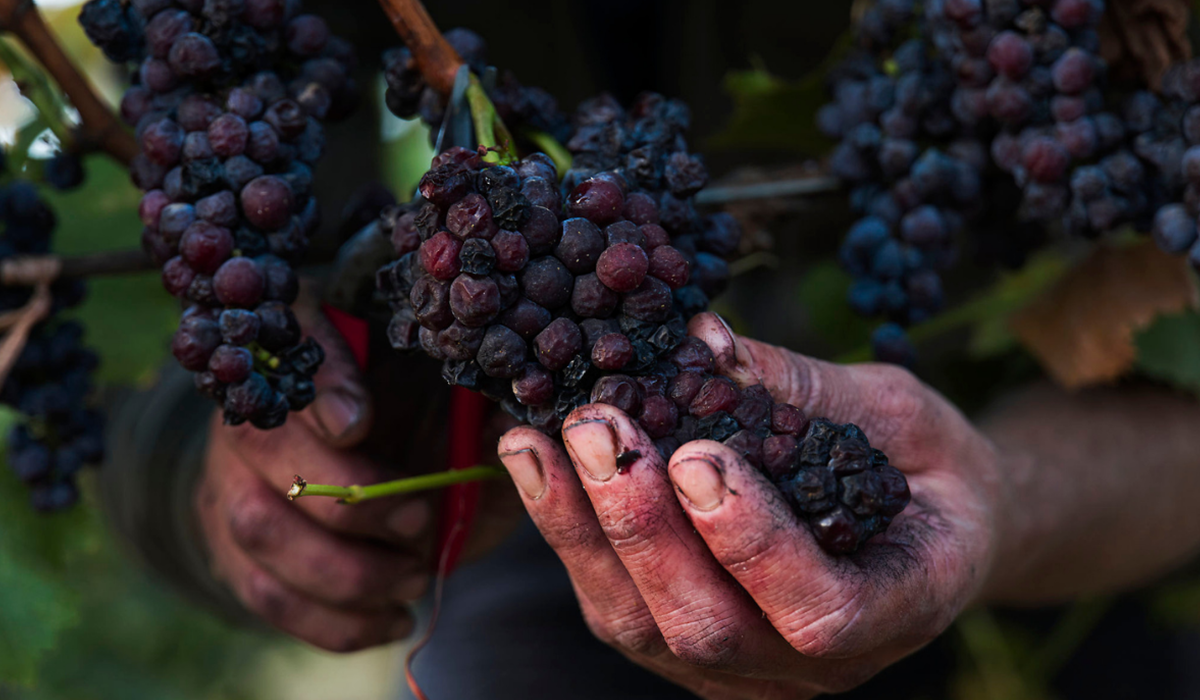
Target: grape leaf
[[1169, 350], [992, 334], [1082, 329], [34, 610]]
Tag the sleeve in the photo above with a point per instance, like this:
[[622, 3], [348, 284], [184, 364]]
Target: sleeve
[[156, 441]]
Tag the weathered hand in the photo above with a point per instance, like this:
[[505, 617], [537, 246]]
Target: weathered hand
[[697, 568], [339, 577]]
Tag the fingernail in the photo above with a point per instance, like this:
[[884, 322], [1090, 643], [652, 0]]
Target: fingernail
[[700, 483], [593, 445], [410, 519], [337, 411], [739, 351], [526, 471], [411, 588]]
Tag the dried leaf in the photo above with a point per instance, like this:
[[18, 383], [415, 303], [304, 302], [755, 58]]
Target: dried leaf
[[1140, 39], [1082, 330]]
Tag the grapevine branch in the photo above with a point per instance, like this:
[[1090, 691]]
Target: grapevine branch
[[32, 270], [356, 493], [99, 127], [18, 324], [436, 58]]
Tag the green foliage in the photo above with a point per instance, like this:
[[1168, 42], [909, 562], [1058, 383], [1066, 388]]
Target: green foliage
[[770, 112], [34, 610], [1169, 350], [986, 315], [129, 319], [823, 291]]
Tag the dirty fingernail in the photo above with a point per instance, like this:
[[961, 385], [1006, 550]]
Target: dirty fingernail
[[337, 411], [594, 447], [410, 519], [700, 483], [739, 349], [526, 471]]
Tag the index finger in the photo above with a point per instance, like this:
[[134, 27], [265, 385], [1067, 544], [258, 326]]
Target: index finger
[[903, 586]]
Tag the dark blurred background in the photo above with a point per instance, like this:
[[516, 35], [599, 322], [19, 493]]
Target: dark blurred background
[[79, 620]]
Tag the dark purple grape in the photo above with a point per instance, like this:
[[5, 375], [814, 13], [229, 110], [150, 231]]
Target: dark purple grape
[[230, 364], [267, 202], [240, 283], [238, 326]]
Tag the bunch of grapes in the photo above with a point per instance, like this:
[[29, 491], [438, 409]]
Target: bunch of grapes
[[51, 382], [916, 175], [228, 104], [984, 96], [409, 95], [545, 303]]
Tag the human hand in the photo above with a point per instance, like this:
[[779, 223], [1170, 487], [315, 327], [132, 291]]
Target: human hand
[[698, 570], [339, 577]]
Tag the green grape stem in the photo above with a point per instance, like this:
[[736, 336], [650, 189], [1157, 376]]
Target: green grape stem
[[356, 493]]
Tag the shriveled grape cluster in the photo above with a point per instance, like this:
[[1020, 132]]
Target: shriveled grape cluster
[[50, 384], [228, 103], [409, 95], [546, 303]]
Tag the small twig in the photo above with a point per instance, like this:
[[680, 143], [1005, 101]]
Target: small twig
[[35, 310], [31, 270], [436, 59], [768, 190], [99, 127], [356, 493]]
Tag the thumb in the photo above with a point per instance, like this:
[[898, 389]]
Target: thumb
[[816, 387], [341, 413]]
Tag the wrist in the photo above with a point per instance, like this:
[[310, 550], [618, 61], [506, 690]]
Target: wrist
[[1014, 545]]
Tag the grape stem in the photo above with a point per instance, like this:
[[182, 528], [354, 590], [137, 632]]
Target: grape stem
[[436, 58], [99, 128], [356, 493], [439, 64], [551, 147], [490, 131]]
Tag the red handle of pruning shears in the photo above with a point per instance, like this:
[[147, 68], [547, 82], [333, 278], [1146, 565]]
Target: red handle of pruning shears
[[467, 413]]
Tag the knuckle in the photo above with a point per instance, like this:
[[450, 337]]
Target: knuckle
[[350, 582], [707, 643], [570, 537], [253, 523], [744, 549], [266, 597], [633, 527], [633, 636]]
